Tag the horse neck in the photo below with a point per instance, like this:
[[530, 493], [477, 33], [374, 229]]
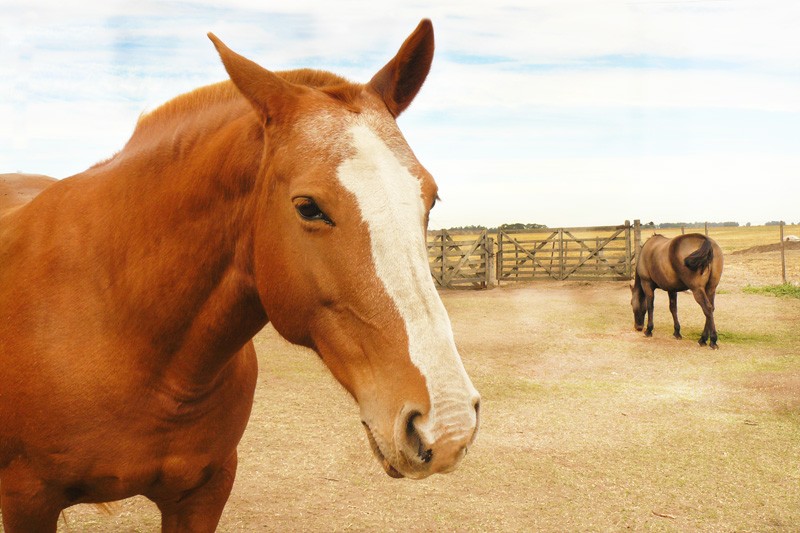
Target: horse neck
[[179, 253]]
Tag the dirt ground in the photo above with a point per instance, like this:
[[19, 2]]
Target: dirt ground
[[586, 425]]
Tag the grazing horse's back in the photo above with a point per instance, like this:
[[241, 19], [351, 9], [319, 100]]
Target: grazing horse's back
[[687, 262]]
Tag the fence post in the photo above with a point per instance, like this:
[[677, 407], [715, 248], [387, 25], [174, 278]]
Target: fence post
[[490, 273], [445, 281], [628, 248], [561, 253], [706, 229], [783, 254], [499, 258], [597, 254]]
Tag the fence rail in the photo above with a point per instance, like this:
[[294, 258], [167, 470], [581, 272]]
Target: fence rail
[[607, 254]]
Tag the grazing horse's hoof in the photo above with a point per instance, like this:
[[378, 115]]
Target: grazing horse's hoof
[[648, 333], [701, 342], [714, 346], [677, 336]]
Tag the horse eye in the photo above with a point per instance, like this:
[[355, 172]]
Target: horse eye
[[309, 210]]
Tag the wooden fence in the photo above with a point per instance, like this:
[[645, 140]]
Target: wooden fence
[[597, 253], [460, 262]]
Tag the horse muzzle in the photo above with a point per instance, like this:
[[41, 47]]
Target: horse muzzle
[[421, 446]]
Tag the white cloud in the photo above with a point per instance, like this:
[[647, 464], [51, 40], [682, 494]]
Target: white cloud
[[569, 79], [478, 86]]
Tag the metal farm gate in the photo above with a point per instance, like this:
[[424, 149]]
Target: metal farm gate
[[597, 253], [460, 261]]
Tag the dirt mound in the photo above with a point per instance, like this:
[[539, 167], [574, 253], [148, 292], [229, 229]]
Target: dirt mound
[[761, 248]]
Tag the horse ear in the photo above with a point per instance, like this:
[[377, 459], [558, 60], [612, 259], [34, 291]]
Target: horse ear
[[269, 94], [399, 81]]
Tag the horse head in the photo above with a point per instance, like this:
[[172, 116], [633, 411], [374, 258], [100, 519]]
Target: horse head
[[340, 255], [638, 305]]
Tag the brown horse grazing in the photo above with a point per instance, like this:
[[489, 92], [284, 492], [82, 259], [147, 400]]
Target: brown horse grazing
[[129, 293], [19, 189], [687, 262]]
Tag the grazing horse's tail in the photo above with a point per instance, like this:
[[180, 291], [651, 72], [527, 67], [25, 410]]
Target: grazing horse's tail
[[700, 258]]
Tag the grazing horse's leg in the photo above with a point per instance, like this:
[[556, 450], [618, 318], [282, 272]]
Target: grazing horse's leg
[[712, 292], [710, 329], [649, 297], [27, 505], [200, 510], [673, 308]]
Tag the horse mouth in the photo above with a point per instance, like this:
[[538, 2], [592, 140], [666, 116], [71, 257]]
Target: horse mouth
[[376, 449]]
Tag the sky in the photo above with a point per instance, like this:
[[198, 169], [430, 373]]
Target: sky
[[557, 112]]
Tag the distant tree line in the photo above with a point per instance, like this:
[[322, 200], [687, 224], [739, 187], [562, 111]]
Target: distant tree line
[[504, 227], [652, 225], [667, 225]]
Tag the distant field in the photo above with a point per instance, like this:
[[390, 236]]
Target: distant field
[[733, 239]]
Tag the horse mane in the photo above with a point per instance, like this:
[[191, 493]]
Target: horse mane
[[196, 100], [204, 97], [171, 113]]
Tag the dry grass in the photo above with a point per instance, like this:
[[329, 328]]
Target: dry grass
[[740, 238], [587, 425]]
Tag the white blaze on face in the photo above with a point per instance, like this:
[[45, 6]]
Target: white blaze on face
[[390, 199]]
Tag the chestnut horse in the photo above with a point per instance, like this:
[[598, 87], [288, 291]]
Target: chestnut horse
[[130, 293], [687, 262]]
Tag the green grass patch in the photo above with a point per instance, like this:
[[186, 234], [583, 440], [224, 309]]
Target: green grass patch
[[732, 337], [745, 337], [785, 290]]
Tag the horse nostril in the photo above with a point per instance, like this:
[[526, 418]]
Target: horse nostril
[[415, 441], [425, 455]]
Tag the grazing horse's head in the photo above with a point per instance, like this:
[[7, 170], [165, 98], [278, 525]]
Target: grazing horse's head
[[638, 305], [340, 256]]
